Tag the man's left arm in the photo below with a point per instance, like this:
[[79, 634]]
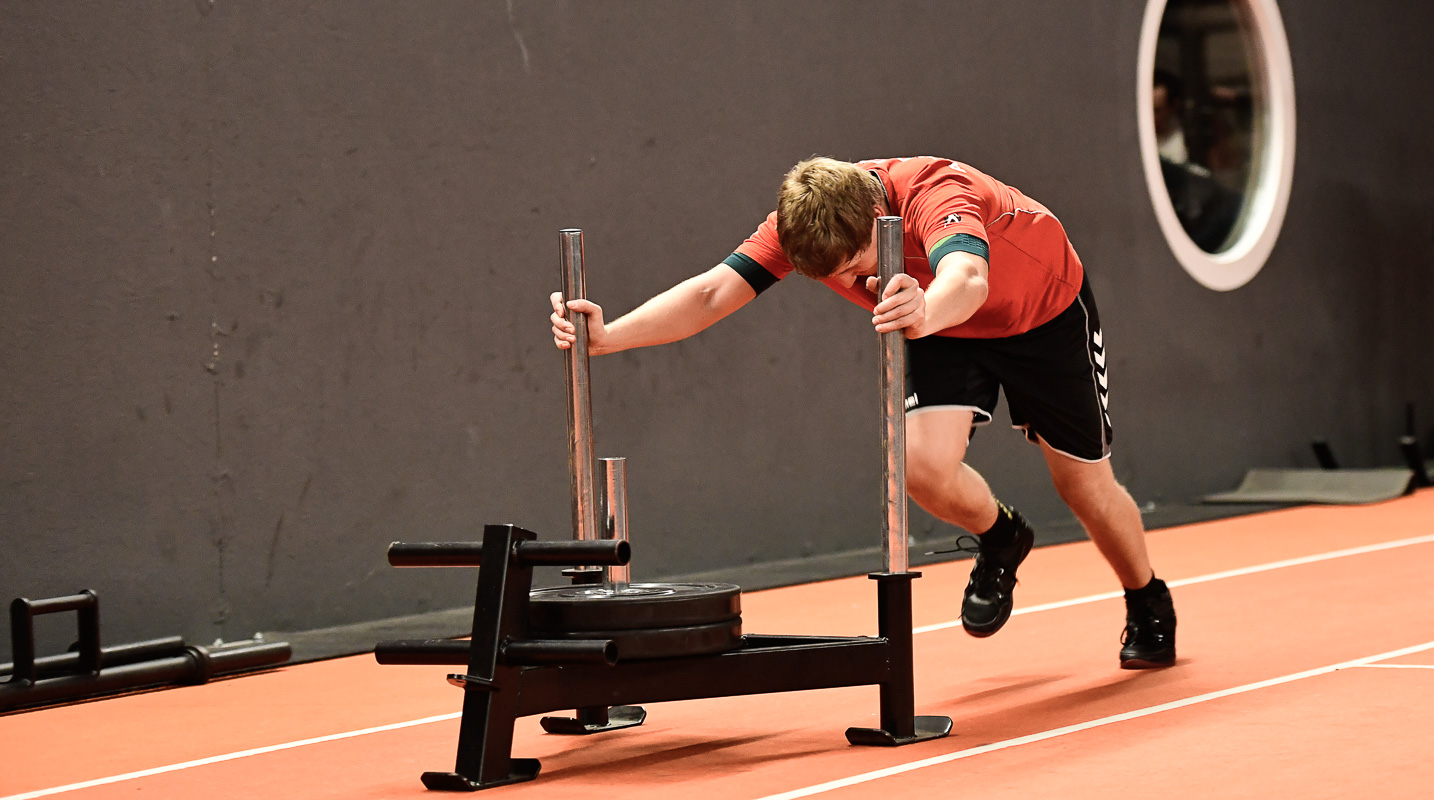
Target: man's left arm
[[954, 294]]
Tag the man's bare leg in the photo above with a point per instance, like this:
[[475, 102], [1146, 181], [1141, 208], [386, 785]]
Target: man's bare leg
[[937, 476], [1106, 511], [1112, 520], [941, 482]]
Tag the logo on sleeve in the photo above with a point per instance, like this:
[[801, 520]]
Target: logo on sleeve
[[951, 219]]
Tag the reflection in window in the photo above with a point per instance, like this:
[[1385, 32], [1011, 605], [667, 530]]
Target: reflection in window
[[1204, 108]]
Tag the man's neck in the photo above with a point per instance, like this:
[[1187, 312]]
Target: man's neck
[[885, 198]]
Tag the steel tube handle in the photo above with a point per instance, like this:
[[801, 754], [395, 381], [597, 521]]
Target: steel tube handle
[[580, 422], [890, 263]]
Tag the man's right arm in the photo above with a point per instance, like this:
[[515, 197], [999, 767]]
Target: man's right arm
[[682, 311]]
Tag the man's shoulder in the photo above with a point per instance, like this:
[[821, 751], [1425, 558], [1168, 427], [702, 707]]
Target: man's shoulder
[[913, 164]]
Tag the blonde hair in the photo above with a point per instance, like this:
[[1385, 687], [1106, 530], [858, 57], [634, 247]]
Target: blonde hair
[[825, 211]]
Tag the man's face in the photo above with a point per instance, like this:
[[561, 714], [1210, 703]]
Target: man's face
[[1164, 111], [859, 266]]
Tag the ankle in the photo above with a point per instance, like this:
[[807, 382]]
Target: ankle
[[1153, 590], [1003, 532]]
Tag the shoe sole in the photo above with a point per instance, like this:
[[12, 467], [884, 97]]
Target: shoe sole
[[990, 628], [981, 632], [1146, 663]]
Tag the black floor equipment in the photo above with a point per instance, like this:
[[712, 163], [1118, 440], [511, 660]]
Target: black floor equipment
[[590, 647], [1412, 452], [90, 669]]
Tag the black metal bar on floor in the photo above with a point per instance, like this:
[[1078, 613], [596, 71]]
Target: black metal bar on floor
[[194, 665], [110, 656]]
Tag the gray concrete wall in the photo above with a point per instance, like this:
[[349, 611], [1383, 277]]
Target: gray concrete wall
[[274, 279]]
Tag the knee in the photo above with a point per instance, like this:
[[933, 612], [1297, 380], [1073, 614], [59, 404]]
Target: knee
[[941, 484], [930, 470], [1088, 489], [1077, 488], [923, 482]]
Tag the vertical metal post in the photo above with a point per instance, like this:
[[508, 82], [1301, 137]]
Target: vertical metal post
[[890, 261], [614, 478], [580, 424], [899, 723]]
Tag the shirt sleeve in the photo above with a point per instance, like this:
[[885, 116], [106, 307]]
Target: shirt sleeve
[[950, 215], [759, 260], [958, 243]]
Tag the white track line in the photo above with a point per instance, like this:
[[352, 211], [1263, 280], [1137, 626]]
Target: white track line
[[1085, 726], [1353, 551], [199, 762], [1213, 576], [1397, 666]]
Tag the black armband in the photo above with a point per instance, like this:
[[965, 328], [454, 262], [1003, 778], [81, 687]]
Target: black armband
[[753, 273]]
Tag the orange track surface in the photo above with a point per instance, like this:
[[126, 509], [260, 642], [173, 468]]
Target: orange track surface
[[1356, 732]]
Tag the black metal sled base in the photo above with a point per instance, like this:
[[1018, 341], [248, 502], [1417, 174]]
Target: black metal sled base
[[519, 770], [925, 728], [510, 675], [595, 720]]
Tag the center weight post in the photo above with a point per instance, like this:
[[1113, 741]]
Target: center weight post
[[613, 472]]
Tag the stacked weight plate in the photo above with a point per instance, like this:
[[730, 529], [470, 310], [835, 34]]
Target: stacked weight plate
[[645, 620]]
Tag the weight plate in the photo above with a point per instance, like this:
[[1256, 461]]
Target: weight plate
[[695, 640], [641, 606]]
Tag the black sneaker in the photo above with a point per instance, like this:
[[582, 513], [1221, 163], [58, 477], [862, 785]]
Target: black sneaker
[[1149, 638], [988, 596]]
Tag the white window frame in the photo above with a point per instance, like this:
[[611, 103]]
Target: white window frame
[[1273, 158]]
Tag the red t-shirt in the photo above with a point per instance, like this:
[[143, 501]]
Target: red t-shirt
[[1035, 274]]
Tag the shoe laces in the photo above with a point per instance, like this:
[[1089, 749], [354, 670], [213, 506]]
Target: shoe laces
[[965, 543], [1140, 619], [988, 576]]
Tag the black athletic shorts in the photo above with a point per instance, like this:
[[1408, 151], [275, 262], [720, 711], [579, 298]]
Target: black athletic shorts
[[1053, 377]]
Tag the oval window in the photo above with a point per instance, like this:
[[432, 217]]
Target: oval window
[[1217, 132]]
